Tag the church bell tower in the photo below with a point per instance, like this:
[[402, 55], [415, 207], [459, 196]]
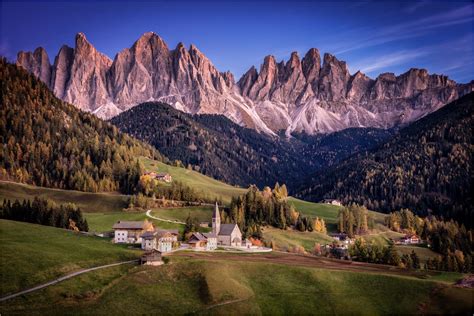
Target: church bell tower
[[216, 220]]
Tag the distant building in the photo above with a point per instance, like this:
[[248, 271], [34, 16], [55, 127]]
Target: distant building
[[152, 258], [204, 241], [161, 240], [332, 202], [227, 234], [130, 232], [166, 177], [410, 239]]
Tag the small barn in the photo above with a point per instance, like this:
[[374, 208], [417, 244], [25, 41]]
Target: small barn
[[151, 258]]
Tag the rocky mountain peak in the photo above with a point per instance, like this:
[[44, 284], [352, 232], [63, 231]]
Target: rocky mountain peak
[[293, 95]]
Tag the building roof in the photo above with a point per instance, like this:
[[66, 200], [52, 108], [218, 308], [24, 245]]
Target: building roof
[[210, 235], [197, 238], [171, 231], [149, 235], [226, 229], [162, 174], [129, 225], [216, 213]]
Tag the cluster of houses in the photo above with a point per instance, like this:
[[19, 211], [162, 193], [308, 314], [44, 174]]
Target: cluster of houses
[[165, 177], [157, 241]]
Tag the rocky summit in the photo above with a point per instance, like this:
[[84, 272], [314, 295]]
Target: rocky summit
[[299, 95]]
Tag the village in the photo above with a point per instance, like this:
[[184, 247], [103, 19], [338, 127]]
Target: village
[[156, 242]]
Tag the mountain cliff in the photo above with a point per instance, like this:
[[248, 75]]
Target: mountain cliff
[[299, 95]]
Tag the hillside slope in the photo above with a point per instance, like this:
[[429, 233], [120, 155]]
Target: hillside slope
[[426, 167], [50, 143], [226, 151]]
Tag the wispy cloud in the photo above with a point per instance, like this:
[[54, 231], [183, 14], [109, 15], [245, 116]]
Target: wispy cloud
[[393, 59], [412, 7], [410, 29]]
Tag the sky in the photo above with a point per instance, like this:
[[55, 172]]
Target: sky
[[371, 36]]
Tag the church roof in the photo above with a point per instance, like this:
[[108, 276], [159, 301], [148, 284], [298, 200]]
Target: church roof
[[226, 229]]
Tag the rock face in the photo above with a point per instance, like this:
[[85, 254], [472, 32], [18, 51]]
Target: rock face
[[298, 95]]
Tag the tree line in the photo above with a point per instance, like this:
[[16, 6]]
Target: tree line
[[44, 212], [270, 207], [47, 142], [454, 242], [355, 220], [425, 167]]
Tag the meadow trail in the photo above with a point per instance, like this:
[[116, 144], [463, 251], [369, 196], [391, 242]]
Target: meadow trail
[[63, 278]]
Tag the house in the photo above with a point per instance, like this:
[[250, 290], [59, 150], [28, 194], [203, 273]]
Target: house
[[130, 232], [410, 239], [227, 234], [204, 241], [332, 202], [166, 177], [152, 258], [161, 239]]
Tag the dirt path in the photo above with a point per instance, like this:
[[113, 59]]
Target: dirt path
[[39, 287], [162, 219], [304, 261]]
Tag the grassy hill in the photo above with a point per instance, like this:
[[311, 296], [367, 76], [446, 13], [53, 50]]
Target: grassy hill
[[88, 202], [206, 185], [32, 254], [212, 285]]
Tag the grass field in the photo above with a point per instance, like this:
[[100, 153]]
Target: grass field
[[88, 202], [32, 254], [202, 213], [286, 239], [237, 287], [208, 186], [423, 253]]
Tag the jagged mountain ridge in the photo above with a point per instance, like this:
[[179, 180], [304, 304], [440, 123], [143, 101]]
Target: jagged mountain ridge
[[301, 95]]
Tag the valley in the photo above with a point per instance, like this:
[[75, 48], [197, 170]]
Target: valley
[[154, 180]]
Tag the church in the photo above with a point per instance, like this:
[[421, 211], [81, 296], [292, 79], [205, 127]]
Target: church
[[227, 234]]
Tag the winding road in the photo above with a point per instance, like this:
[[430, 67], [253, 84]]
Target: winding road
[[163, 220], [39, 287]]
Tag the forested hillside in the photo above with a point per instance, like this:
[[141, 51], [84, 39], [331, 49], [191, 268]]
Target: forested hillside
[[426, 167], [217, 147], [47, 142]]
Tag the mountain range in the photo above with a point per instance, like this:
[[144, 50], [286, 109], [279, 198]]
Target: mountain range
[[299, 95]]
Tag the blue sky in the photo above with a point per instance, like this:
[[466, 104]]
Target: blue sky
[[374, 37]]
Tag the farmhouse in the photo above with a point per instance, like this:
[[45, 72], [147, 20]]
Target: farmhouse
[[166, 177], [205, 241], [410, 239], [332, 202], [152, 258], [130, 232], [227, 234], [161, 240]]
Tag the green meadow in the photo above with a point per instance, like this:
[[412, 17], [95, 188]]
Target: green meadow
[[32, 254]]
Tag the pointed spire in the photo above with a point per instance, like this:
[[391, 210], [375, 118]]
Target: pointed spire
[[216, 220]]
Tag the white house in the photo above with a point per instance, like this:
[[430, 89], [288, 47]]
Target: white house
[[131, 231], [227, 234], [203, 241], [161, 240]]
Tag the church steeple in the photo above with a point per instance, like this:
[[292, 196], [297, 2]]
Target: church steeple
[[216, 220]]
